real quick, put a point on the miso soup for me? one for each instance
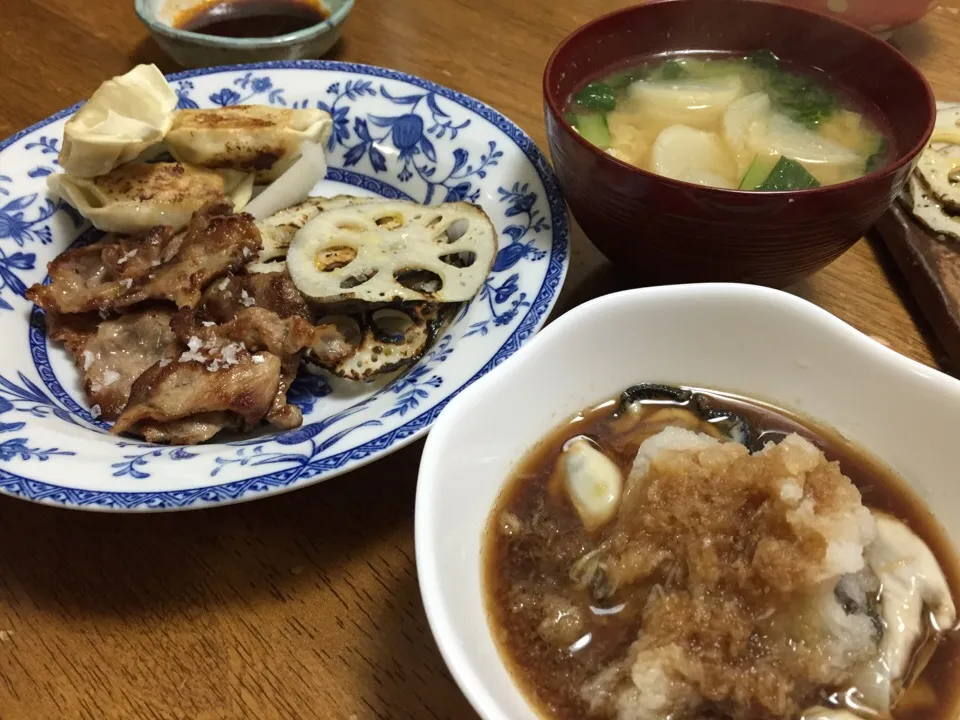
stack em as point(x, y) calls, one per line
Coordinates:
point(747, 123)
point(682, 554)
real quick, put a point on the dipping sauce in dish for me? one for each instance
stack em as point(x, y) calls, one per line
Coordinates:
point(736, 122)
point(683, 554)
point(251, 18)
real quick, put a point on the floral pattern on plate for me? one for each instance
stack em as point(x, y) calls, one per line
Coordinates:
point(395, 136)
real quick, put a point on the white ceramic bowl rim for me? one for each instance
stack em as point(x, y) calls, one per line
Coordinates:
point(438, 577)
point(145, 12)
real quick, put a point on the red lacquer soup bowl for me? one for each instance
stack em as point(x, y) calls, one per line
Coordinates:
point(662, 230)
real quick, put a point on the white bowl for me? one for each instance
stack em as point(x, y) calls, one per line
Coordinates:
point(759, 342)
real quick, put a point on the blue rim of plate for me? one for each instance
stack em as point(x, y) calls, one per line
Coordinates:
point(285, 480)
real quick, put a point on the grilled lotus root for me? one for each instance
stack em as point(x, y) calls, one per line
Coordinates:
point(260, 139)
point(947, 127)
point(931, 192)
point(929, 212)
point(939, 173)
point(383, 340)
point(393, 251)
point(124, 117)
point(277, 231)
point(136, 197)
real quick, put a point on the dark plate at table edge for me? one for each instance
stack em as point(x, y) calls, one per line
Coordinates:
point(931, 267)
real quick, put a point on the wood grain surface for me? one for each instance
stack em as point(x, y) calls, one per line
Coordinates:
point(304, 605)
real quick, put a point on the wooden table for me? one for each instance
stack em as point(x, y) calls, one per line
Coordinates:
point(305, 605)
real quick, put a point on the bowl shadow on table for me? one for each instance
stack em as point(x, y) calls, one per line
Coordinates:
point(330, 568)
point(915, 41)
point(592, 275)
point(149, 52)
point(901, 288)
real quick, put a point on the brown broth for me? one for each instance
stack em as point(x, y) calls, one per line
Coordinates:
point(251, 18)
point(552, 677)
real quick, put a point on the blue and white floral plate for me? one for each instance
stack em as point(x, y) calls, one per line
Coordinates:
point(395, 136)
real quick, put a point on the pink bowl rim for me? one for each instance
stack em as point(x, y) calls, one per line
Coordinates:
point(903, 158)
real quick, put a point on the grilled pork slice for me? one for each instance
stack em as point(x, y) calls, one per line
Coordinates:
point(111, 354)
point(233, 375)
point(120, 271)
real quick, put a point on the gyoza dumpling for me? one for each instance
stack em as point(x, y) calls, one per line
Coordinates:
point(138, 196)
point(253, 138)
point(125, 116)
